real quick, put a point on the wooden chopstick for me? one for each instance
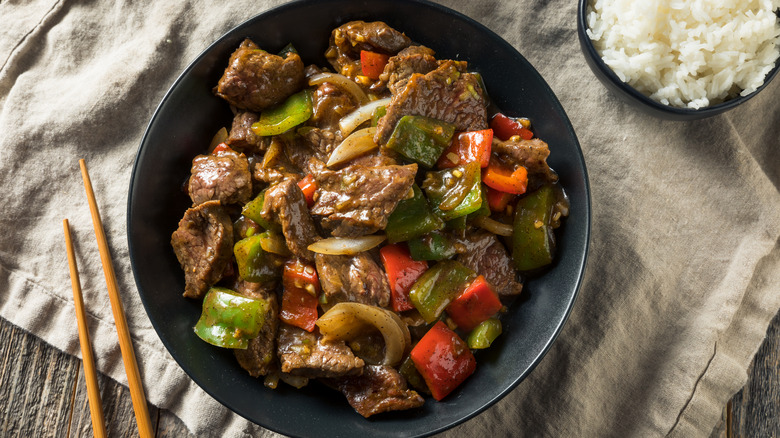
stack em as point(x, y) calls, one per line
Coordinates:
point(125, 343)
point(93, 391)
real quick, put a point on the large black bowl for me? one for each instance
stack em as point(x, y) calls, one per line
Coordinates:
point(182, 128)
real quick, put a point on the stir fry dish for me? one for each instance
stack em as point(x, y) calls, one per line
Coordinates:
point(364, 223)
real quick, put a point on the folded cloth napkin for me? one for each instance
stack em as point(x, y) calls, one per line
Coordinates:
point(684, 263)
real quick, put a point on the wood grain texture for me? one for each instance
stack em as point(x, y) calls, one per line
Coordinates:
point(43, 394)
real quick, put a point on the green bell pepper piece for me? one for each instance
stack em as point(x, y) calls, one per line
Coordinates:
point(289, 48)
point(438, 286)
point(533, 241)
point(254, 264)
point(484, 334)
point(432, 246)
point(253, 209)
point(411, 218)
point(421, 139)
point(230, 320)
point(454, 192)
point(378, 114)
point(292, 112)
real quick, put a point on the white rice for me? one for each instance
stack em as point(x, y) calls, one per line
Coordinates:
point(687, 53)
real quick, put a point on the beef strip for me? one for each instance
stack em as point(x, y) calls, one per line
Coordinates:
point(255, 79)
point(203, 243)
point(306, 354)
point(529, 153)
point(259, 358)
point(224, 177)
point(242, 138)
point(347, 40)
point(276, 165)
point(330, 104)
point(355, 278)
point(286, 204)
point(486, 255)
point(447, 93)
point(321, 141)
point(379, 389)
point(399, 68)
point(357, 200)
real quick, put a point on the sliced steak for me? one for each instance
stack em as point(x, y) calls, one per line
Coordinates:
point(242, 138)
point(357, 200)
point(203, 243)
point(379, 389)
point(447, 93)
point(355, 278)
point(486, 255)
point(529, 153)
point(259, 358)
point(347, 40)
point(286, 204)
point(255, 79)
point(399, 68)
point(306, 354)
point(224, 177)
point(330, 104)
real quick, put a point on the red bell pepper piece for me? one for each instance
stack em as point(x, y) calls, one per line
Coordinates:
point(506, 127)
point(467, 147)
point(502, 179)
point(299, 299)
point(299, 308)
point(443, 359)
point(402, 272)
point(372, 63)
point(476, 304)
point(222, 147)
point(498, 200)
point(299, 274)
point(308, 186)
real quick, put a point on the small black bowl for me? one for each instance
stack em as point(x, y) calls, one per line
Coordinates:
point(640, 101)
point(190, 114)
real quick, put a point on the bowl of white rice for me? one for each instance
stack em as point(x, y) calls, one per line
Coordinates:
point(682, 59)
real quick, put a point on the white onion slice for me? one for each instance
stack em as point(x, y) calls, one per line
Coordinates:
point(345, 321)
point(354, 119)
point(346, 245)
point(493, 226)
point(342, 81)
point(358, 143)
point(220, 137)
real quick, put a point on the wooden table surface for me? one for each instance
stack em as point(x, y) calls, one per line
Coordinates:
point(43, 394)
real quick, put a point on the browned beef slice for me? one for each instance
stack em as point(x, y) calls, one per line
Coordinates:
point(286, 204)
point(330, 104)
point(255, 79)
point(529, 153)
point(357, 200)
point(259, 358)
point(223, 177)
point(242, 138)
point(379, 389)
point(487, 256)
point(447, 93)
point(306, 354)
point(275, 165)
point(347, 40)
point(203, 243)
point(399, 68)
point(355, 278)
point(321, 141)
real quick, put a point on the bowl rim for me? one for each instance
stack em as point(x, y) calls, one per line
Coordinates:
point(587, 211)
point(710, 110)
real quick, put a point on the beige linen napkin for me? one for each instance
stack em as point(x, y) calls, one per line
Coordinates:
point(684, 265)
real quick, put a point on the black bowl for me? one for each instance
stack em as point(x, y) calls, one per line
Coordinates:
point(641, 101)
point(183, 126)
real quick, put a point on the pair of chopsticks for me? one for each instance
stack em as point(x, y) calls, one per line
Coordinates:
point(125, 343)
